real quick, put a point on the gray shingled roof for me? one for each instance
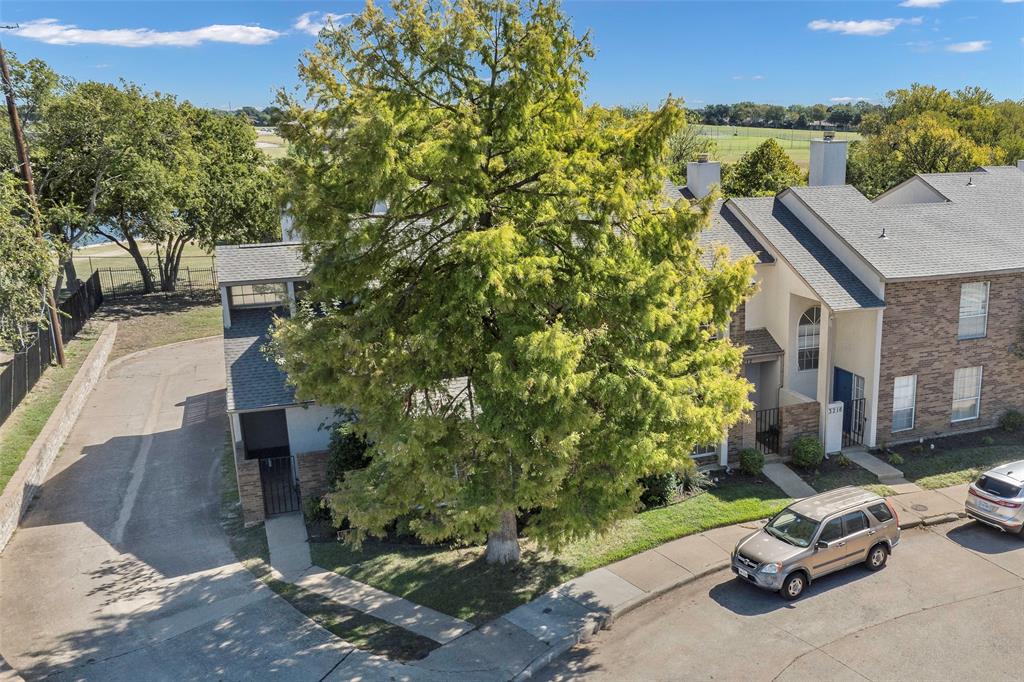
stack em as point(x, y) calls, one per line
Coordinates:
point(760, 343)
point(980, 228)
point(837, 286)
point(253, 380)
point(276, 262)
point(727, 230)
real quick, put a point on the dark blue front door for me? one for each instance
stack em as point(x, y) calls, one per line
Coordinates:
point(842, 389)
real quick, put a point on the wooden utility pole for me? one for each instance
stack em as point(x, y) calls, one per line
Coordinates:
point(25, 167)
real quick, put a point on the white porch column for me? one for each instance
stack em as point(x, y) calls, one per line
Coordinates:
point(871, 428)
point(291, 297)
point(826, 367)
point(225, 310)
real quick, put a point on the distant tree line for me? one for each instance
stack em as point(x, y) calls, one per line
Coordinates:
point(267, 116)
point(796, 116)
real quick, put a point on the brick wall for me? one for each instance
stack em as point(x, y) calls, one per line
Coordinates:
point(796, 421)
point(737, 325)
point(919, 336)
point(312, 474)
point(250, 490)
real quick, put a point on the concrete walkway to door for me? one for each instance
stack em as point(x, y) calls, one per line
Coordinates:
point(121, 571)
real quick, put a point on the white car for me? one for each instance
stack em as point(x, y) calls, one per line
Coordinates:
point(997, 498)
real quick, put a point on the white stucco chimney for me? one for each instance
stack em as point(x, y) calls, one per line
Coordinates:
point(702, 174)
point(1020, 164)
point(287, 235)
point(828, 161)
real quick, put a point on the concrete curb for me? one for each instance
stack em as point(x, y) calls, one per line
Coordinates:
point(605, 621)
point(17, 496)
point(932, 520)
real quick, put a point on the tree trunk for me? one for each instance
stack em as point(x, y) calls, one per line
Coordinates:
point(503, 544)
point(140, 263)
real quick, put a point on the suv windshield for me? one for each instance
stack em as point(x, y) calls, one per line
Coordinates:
point(793, 528)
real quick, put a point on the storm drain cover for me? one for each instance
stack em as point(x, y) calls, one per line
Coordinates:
point(919, 507)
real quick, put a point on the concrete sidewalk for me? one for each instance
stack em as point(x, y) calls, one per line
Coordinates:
point(524, 640)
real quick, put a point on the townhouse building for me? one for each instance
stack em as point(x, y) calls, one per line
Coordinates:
point(874, 322)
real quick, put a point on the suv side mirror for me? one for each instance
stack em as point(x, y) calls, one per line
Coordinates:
point(822, 544)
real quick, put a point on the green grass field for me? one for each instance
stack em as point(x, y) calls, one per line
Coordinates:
point(92, 258)
point(735, 141)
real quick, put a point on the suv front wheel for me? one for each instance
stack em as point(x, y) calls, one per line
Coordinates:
point(793, 586)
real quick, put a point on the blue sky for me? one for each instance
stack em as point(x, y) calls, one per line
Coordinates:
point(238, 53)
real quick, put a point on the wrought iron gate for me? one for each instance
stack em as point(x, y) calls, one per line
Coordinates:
point(767, 429)
point(280, 491)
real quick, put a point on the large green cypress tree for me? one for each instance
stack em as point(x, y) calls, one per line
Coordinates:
point(529, 326)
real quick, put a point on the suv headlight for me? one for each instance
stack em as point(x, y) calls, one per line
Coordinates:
point(771, 569)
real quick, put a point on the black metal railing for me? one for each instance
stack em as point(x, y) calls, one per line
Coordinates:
point(121, 282)
point(767, 429)
point(853, 430)
point(19, 375)
point(280, 491)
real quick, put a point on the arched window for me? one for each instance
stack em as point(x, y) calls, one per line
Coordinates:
point(807, 339)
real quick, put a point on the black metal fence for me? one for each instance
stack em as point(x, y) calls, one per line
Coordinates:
point(280, 491)
point(121, 282)
point(23, 371)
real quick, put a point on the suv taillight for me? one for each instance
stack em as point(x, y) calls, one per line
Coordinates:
point(892, 510)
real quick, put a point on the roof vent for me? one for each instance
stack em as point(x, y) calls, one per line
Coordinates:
point(829, 135)
point(883, 235)
point(970, 181)
point(703, 157)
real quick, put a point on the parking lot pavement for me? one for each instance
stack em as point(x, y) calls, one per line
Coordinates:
point(947, 606)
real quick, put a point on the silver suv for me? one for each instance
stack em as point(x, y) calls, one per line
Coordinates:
point(815, 536)
point(997, 498)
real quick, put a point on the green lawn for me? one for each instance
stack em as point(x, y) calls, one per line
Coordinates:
point(363, 631)
point(734, 141)
point(158, 319)
point(20, 430)
point(959, 459)
point(100, 256)
point(831, 474)
point(460, 583)
point(273, 146)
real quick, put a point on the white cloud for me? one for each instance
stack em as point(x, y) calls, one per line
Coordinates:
point(1011, 2)
point(924, 3)
point(969, 46)
point(55, 33)
point(864, 27)
point(314, 22)
point(757, 77)
point(849, 100)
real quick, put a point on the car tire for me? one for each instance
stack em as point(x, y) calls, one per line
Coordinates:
point(793, 586)
point(877, 557)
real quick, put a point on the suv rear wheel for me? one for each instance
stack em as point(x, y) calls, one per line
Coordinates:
point(877, 557)
point(793, 586)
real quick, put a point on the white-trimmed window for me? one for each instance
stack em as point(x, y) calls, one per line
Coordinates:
point(705, 450)
point(808, 338)
point(257, 295)
point(966, 393)
point(973, 310)
point(904, 399)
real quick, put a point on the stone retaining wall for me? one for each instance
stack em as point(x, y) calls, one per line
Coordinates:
point(23, 486)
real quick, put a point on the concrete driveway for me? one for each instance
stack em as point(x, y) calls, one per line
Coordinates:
point(947, 606)
point(121, 570)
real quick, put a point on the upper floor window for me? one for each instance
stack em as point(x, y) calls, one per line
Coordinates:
point(966, 393)
point(258, 295)
point(808, 339)
point(973, 310)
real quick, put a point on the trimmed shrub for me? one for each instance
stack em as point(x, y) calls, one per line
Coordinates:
point(317, 510)
point(751, 461)
point(692, 480)
point(843, 461)
point(347, 451)
point(657, 490)
point(895, 459)
point(807, 452)
point(1011, 421)
point(988, 440)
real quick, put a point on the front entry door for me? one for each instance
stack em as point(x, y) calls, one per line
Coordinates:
point(849, 388)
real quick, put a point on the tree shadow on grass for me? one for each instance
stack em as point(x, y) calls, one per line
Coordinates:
point(127, 307)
